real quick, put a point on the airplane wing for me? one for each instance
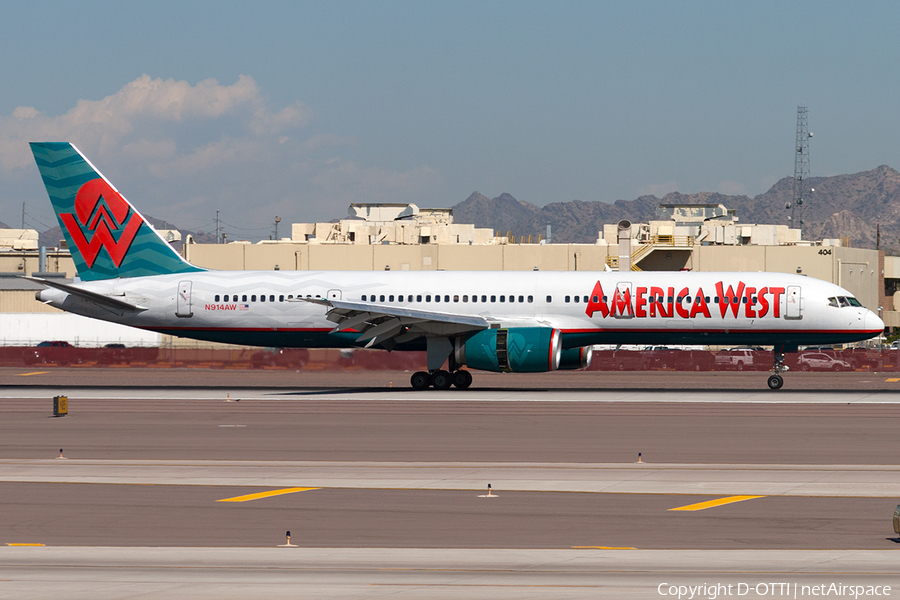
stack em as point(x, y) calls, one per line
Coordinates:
point(391, 325)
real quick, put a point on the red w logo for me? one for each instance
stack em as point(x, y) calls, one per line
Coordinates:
point(102, 219)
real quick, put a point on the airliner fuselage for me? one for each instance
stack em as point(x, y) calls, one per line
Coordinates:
point(496, 321)
point(273, 308)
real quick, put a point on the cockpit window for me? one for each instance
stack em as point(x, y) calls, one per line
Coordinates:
point(833, 302)
point(853, 301)
point(844, 302)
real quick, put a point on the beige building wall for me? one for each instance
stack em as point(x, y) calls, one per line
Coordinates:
point(339, 257)
point(26, 262)
point(729, 258)
point(854, 269)
point(470, 258)
point(216, 256)
point(23, 301)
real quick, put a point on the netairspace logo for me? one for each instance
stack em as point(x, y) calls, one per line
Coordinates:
point(775, 590)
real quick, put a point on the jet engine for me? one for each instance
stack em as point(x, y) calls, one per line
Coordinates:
point(576, 358)
point(515, 350)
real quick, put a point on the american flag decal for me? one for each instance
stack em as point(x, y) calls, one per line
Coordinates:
point(243, 307)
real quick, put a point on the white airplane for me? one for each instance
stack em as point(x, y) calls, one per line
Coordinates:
point(493, 321)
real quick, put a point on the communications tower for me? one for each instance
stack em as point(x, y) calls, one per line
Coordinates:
point(801, 190)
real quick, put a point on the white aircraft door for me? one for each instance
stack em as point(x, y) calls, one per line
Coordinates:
point(622, 305)
point(792, 303)
point(183, 300)
point(334, 294)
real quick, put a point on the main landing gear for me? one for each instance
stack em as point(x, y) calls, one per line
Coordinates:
point(776, 380)
point(441, 380)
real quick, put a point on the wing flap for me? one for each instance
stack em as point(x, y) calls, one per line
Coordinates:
point(389, 325)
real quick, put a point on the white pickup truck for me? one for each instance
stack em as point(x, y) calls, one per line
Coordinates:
point(739, 359)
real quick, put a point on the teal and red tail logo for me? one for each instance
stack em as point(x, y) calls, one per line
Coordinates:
point(101, 210)
point(107, 236)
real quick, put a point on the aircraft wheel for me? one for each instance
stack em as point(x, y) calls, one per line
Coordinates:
point(420, 380)
point(462, 379)
point(775, 382)
point(441, 380)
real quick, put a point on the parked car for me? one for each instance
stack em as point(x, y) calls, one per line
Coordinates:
point(860, 357)
point(115, 354)
point(738, 359)
point(630, 360)
point(820, 361)
point(280, 357)
point(57, 352)
point(678, 359)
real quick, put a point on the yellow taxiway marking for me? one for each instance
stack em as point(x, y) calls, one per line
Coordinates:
point(718, 502)
point(24, 544)
point(603, 548)
point(893, 380)
point(268, 494)
point(35, 373)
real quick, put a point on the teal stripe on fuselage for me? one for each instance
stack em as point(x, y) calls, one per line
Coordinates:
point(347, 339)
point(283, 339)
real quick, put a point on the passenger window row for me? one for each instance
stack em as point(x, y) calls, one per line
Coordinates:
point(447, 298)
point(261, 298)
point(670, 300)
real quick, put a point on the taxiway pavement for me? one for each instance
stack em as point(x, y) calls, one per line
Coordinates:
point(383, 484)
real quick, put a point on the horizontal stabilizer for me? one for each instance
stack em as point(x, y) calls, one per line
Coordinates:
point(87, 294)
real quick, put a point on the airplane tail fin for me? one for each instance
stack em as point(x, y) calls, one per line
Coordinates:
point(107, 236)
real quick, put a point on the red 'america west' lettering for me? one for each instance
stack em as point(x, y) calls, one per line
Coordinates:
point(738, 301)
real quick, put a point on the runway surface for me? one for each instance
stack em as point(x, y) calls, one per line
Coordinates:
point(360, 429)
point(182, 483)
point(209, 573)
point(398, 381)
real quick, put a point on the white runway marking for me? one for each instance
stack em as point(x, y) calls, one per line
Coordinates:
point(629, 478)
point(493, 395)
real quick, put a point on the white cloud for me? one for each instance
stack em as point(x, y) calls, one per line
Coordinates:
point(184, 151)
point(214, 154)
point(102, 127)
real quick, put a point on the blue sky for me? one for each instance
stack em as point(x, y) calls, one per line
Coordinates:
point(298, 109)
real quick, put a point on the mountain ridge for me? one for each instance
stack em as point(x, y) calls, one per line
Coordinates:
point(842, 205)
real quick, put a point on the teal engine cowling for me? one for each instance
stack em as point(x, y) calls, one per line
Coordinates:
point(515, 350)
point(576, 358)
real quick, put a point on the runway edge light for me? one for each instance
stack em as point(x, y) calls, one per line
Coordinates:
point(287, 544)
point(489, 494)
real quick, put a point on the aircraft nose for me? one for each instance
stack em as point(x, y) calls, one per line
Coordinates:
point(872, 322)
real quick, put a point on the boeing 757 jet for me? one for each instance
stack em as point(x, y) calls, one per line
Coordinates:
point(493, 321)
